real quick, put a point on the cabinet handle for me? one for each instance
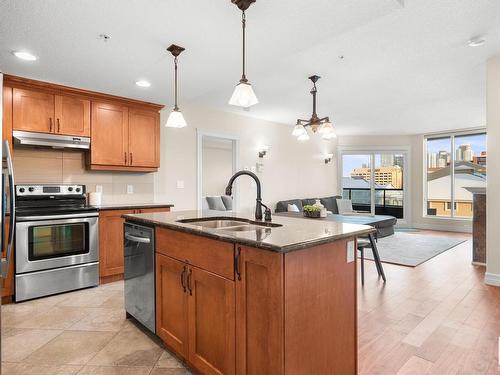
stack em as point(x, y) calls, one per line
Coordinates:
point(58, 126)
point(237, 262)
point(189, 280)
point(183, 278)
point(50, 124)
point(131, 160)
point(125, 158)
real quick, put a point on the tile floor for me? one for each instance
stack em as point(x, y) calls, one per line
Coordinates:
point(84, 333)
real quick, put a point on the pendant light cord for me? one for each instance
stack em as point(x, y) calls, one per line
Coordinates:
point(176, 108)
point(243, 23)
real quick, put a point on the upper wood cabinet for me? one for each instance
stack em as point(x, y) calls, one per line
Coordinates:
point(7, 115)
point(109, 142)
point(42, 112)
point(33, 111)
point(72, 116)
point(144, 133)
point(124, 138)
point(125, 133)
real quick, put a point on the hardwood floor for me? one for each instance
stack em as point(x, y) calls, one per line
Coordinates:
point(437, 318)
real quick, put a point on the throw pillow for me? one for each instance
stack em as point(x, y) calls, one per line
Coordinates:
point(293, 208)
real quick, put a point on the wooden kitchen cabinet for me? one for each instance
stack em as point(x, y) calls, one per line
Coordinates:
point(259, 312)
point(33, 111)
point(7, 115)
point(211, 322)
point(123, 138)
point(144, 133)
point(171, 306)
point(109, 143)
point(72, 116)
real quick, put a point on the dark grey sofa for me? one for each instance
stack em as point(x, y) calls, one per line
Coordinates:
point(330, 203)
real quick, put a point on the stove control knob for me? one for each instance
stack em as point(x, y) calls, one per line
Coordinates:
point(77, 190)
point(21, 190)
point(31, 189)
point(70, 189)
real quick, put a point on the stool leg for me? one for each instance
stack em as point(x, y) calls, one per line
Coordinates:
point(362, 266)
point(376, 257)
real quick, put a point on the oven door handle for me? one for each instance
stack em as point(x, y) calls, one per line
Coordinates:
point(4, 265)
point(57, 217)
point(133, 238)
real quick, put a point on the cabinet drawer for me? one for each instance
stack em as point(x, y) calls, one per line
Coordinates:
point(205, 253)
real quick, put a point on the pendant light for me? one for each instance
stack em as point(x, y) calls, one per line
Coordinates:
point(175, 119)
point(243, 95)
point(322, 126)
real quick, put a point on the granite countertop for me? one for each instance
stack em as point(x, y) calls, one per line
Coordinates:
point(293, 234)
point(131, 206)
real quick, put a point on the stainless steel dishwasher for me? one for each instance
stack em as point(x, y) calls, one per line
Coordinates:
point(139, 251)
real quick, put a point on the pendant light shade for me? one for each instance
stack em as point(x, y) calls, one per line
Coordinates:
point(175, 119)
point(299, 130)
point(303, 137)
point(325, 128)
point(330, 135)
point(243, 95)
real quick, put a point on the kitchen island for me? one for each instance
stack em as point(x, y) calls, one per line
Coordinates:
point(236, 296)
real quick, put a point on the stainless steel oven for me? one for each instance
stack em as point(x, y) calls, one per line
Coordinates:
point(57, 247)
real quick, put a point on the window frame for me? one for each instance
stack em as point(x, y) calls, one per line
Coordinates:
point(452, 136)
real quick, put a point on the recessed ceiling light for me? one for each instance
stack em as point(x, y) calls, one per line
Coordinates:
point(143, 83)
point(24, 55)
point(476, 42)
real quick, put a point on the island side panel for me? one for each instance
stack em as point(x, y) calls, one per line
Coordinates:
point(259, 312)
point(320, 311)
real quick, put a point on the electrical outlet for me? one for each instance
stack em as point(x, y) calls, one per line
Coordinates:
point(130, 189)
point(180, 184)
point(350, 251)
point(98, 188)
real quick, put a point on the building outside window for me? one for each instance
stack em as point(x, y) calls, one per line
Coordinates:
point(454, 162)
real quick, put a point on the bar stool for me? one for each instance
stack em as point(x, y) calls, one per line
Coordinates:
point(365, 243)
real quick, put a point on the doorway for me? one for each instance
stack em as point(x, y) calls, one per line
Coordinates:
point(218, 160)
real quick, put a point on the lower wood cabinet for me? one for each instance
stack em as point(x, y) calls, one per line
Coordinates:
point(195, 315)
point(111, 241)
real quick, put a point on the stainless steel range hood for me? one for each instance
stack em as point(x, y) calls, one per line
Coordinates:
point(50, 140)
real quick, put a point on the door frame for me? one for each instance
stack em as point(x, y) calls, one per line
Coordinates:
point(370, 151)
point(200, 133)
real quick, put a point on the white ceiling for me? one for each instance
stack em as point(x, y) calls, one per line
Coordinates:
point(405, 70)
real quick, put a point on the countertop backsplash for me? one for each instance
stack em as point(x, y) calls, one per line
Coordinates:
point(39, 165)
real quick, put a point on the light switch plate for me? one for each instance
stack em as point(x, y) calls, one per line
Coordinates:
point(180, 184)
point(130, 189)
point(350, 251)
point(98, 188)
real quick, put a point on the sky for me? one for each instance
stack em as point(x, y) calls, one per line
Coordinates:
point(477, 142)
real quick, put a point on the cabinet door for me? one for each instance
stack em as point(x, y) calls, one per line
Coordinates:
point(109, 134)
point(211, 310)
point(111, 242)
point(33, 111)
point(72, 116)
point(259, 313)
point(171, 304)
point(144, 138)
point(7, 115)
point(8, 282)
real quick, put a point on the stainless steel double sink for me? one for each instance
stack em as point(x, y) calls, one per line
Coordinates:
point(230, 224)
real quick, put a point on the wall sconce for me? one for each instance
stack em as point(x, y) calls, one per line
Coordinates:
point(328, 158)
point(263, 151)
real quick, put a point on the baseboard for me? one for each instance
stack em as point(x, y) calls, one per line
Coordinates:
point(492, 279)
point(443, 228)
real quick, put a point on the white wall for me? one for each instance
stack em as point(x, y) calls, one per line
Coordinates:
point(217, 167)
point(493, 198)
point(416, 181)
point(292, 169)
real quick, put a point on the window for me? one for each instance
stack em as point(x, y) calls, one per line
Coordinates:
point(454, 162)
point(374, 181)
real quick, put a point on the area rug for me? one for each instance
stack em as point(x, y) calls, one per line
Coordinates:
point(412, 249)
